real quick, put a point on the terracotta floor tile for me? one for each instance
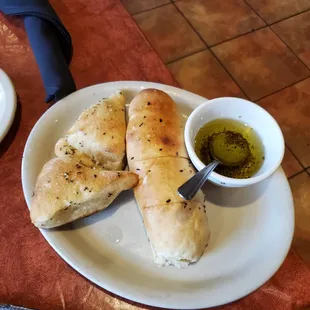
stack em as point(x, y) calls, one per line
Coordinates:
point(202, 74)
point(295, 32)
point(260, 63)
point(217, 21)
point(290, 164)
point(291, 108)
point(169, 33)
point(300, 185)
point(274, 10)
point(136, 6)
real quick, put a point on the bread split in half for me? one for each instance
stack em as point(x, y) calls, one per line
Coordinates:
point(66, 191)
point(83, 179)
point(97, 138)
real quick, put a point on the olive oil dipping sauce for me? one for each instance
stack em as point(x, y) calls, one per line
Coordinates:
point(234, 132)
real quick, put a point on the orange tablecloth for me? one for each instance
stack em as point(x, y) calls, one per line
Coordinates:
point(108, 46)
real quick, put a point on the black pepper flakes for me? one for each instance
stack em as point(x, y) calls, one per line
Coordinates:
point(160, 120)
point(181, 170)
point(57, 198)
point(148, 140)
point(149, 170)
point(160, 149)
point(104, 133)
point(132, 158)
point(112, 137)
point(138, 169)
point(95, 175)
point(79, 172)
point(85, 188)
point(140, 124)
point(78, 166)
point(190, 209)
point(148, 103)
point(177, 153)
point(144, 116)
point(110, 194)
point(32, 194)
point(168, 200)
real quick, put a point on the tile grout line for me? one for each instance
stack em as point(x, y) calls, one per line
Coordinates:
point(252, 9)
point(295, 156)
point(193, 28)
point(269, 26)
point(276, 91)
point(189, 23)
point(208, 47)
point(278, 21)
point(154, 8)
point(250, 6)
point(285, 18)
point(290, 50)
point(182, 57)
point(238, 36)
point(265, 26)
point(259, 28)
point(296, 174)
point(244, 93)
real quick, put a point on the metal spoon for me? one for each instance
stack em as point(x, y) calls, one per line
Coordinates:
point(236, 152)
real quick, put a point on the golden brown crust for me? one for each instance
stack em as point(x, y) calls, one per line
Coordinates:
point(155, 128)
point(97, 138)
point(66, 190)
point(178, 230)
point(162, 175)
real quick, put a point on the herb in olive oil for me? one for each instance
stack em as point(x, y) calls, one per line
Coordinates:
point(254, 147)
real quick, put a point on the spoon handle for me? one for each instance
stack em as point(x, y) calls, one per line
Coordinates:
point(190, 188)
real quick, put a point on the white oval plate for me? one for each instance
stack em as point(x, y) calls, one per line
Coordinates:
point(7, 104)
point(251, 228)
